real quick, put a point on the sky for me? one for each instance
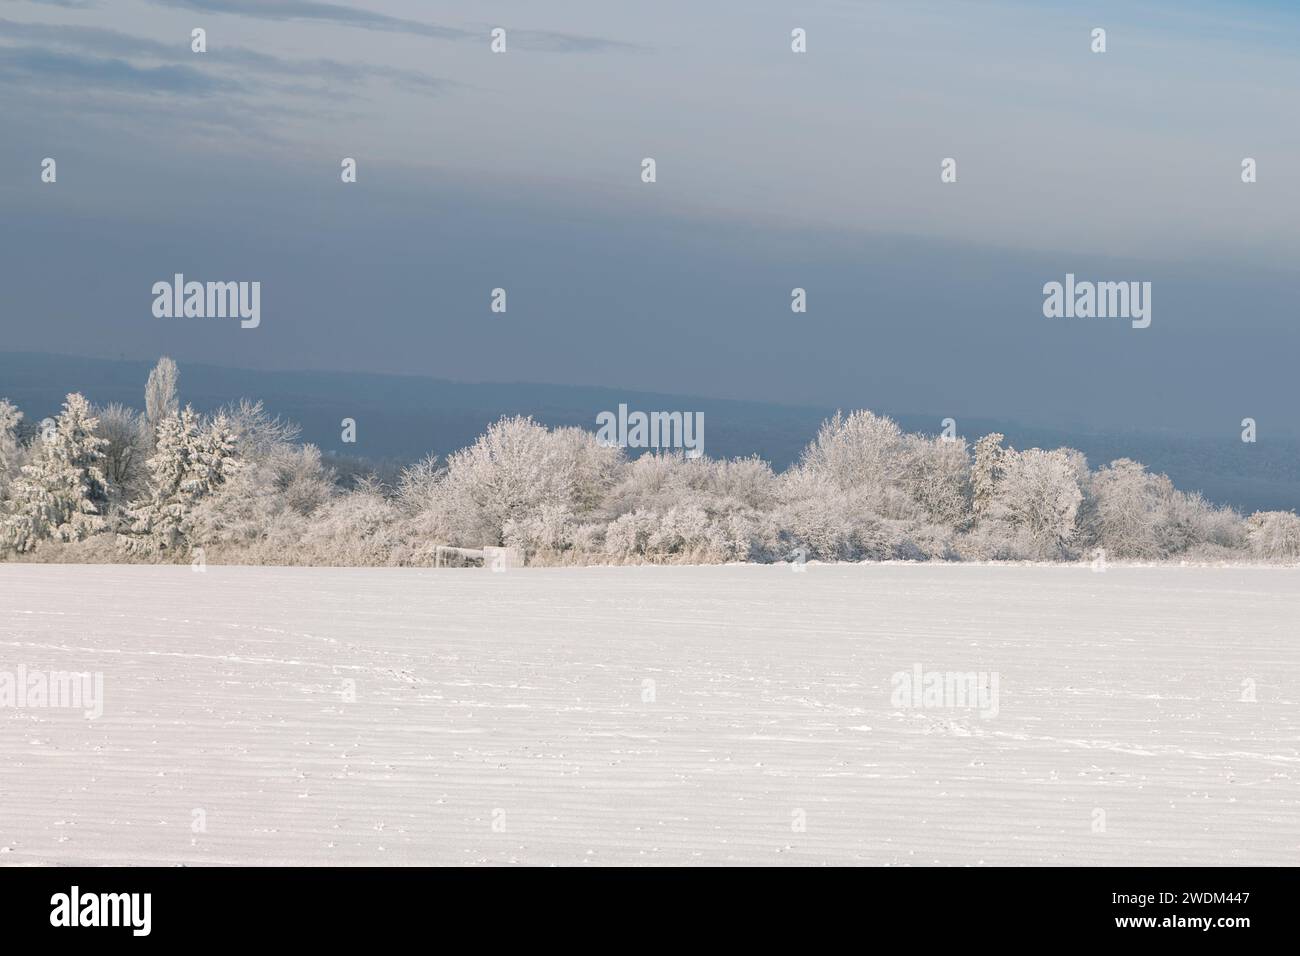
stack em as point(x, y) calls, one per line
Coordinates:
point(775, 170)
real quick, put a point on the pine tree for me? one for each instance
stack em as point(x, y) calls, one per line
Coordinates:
point(62, 492)
point(10, 452)
point(189, 463)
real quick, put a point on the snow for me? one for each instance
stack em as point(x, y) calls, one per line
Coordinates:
point(505, 718)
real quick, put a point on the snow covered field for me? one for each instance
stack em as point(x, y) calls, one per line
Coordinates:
point(326, 716)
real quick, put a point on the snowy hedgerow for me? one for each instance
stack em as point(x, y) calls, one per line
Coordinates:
point(1274, 534)
point(61, 493)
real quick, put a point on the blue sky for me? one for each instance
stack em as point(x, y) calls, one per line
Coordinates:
point(775, 170)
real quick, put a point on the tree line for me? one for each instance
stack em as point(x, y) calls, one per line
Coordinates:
point(113, 484)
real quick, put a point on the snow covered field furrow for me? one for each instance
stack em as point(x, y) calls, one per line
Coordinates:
point(463, 717)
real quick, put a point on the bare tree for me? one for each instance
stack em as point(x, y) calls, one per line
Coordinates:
point(127, 447)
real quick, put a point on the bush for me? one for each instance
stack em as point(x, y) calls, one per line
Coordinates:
point(1274, 534)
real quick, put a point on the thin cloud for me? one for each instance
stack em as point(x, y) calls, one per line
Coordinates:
point(51, 68)
point(100, 40)
point(542, 40)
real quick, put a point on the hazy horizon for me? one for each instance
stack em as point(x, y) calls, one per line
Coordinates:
point(817, 170)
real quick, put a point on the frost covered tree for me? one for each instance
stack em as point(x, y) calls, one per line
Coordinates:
point(514, 469)
point(861, 452)
point(61, 493)
point(161, 399)
point(1038, 498)
point(126, 448)
point(261, 435)
point(1128, 509)
point(10, 449)
point(190, 462)
point(937, 478)
point(985, 473)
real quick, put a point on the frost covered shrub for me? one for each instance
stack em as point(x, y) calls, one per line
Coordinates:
point(359, 528)
point(914, 541)
point(588, 539)
point(548, 531)
point(628, 535)
point(1274, 534)
point(989, 542)
point(1139, 515)
point(97, 549)
point(834, 526)
point(679, 531)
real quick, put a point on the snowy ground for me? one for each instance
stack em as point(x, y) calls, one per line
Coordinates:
point(506, 718)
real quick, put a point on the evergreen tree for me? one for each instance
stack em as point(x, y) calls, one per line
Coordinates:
point(189, 462)
point(10, 451)
point(61, 493)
